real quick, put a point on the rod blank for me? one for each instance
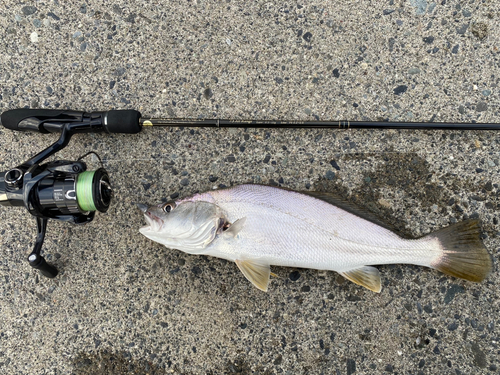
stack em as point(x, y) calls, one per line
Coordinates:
point(220, 123)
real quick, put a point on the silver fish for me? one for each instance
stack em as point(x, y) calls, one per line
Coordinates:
point(258, 226)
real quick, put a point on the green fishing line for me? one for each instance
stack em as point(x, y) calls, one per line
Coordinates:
point(84, 189)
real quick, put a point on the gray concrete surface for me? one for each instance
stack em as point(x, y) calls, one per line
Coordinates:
point(123, 304)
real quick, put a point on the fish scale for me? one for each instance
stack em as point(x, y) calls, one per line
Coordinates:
point(257, 226)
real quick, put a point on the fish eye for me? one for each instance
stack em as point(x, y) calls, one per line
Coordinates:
point(167, 207)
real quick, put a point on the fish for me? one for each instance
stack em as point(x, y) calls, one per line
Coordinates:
point(258, 226)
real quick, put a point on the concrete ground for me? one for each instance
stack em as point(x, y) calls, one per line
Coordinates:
point(125, 305)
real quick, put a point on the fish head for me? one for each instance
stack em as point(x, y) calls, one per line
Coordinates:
point(188, 226)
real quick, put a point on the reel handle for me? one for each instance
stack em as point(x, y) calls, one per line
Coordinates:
point(53, 121)
point(35, 259)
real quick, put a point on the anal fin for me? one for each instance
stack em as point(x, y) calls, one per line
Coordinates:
point(257, 273)
point(366, 276)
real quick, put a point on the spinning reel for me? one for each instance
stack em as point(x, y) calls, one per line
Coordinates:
point(61, 190)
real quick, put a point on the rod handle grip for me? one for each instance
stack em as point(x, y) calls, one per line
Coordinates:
point(53, 121)
point(122, 121)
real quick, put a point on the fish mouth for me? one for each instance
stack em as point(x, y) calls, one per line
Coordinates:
point(142, 207)
point(153, 221)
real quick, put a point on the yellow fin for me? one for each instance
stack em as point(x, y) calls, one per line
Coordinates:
point(366, 276)
point(257, 273)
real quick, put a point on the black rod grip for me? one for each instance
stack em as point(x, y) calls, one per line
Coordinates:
point(122, 121)
point(52, 121)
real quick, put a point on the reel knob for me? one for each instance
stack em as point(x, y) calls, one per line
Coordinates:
point(38, 262)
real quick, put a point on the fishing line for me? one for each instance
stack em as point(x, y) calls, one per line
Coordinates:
point(84, 193)
point(87, 187)
point(91, 153)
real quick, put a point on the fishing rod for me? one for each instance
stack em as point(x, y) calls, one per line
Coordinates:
point(131, 121)
point(65, 190)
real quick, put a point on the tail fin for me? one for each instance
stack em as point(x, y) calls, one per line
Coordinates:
point(464, 254)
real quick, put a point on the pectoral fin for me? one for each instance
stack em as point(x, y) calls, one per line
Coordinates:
point(235, 227)
point(366, 276)
point(257, 273)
